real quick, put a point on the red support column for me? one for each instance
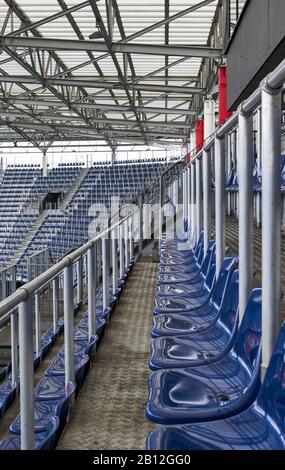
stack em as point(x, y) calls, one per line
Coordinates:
point(224, 114)
point(199, 134)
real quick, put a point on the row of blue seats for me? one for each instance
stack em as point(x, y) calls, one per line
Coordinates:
point(206, 382)
point(232, 184)
point(52, 399)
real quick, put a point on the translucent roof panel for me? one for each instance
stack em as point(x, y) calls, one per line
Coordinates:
point(102, 62)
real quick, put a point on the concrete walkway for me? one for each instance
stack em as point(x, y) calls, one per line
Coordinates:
point(109, 413)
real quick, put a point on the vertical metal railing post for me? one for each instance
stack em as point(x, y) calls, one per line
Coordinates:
point(114, 236)
point(105, 273)
point(14, 333)
point(198, 198)
point(206, 199)
point(55, 303)
point(131, 224)
point(184, 199)
point(245, 166)
point(220, 202)
point(91, 276)
point(26, 375)
point(79, 275)
point(4, 284)
point(193, 201)
point(188, 172)
point(160, 215)
point(259, 158)
point(38, 323)
point(68, 324)
point(121, 247)
point(271, 207)
point(126, 244)
point(229, 167)
point(141, 220)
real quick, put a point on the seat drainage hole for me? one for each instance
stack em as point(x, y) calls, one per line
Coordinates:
point(223, 397)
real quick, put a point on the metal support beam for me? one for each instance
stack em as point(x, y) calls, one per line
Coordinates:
point(53, 44)
point(102, 107)
point(102, 84)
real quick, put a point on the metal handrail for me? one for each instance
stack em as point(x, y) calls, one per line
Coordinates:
point(23, 292)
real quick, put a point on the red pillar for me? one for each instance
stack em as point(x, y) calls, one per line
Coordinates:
point(224, 114)
point(199, 134)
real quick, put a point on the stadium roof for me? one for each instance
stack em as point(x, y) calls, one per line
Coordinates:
point(117, 70)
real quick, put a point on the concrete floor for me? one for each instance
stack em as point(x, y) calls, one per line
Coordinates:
point(110, 411)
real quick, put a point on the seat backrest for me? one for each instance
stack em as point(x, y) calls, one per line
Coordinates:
point(200, 240)
point(271, 397)
point(248, 343)
point(208, 258)
point(282, 169)
point(228, 266)
point(200, 254)
point(230, 178)
point(198, 248)
point(229, 308)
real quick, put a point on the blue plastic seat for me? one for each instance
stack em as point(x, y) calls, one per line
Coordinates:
point(201, 293)
point(82, 347)
point(181, 284)
point(212, 391)
point(7, 395)
point(185, 267)
point(44, 440)
point(50, 388)
point(196, 348)
point(47, 408)
point(81, 366)
point(260, 427)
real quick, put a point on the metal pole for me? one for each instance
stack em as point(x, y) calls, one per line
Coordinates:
point(91, 276)
point(79, 273)
point(193, 200)
point(105, 273)
point(4, 285)
point(198, 198)
point(68, 324)
point(55, 303)
point(26, 375)
point(245, 165)
point(160, 215)
point(188, 198)
point(206, 199)
point(121, 251)
point(14, 347)
point(131, 237)
point(271, 206)
point(126, 244)
point(140, 202)
point(259, 152)
point(38, 322)
point(114, 260)
point(220, 202)
point(229, 161)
